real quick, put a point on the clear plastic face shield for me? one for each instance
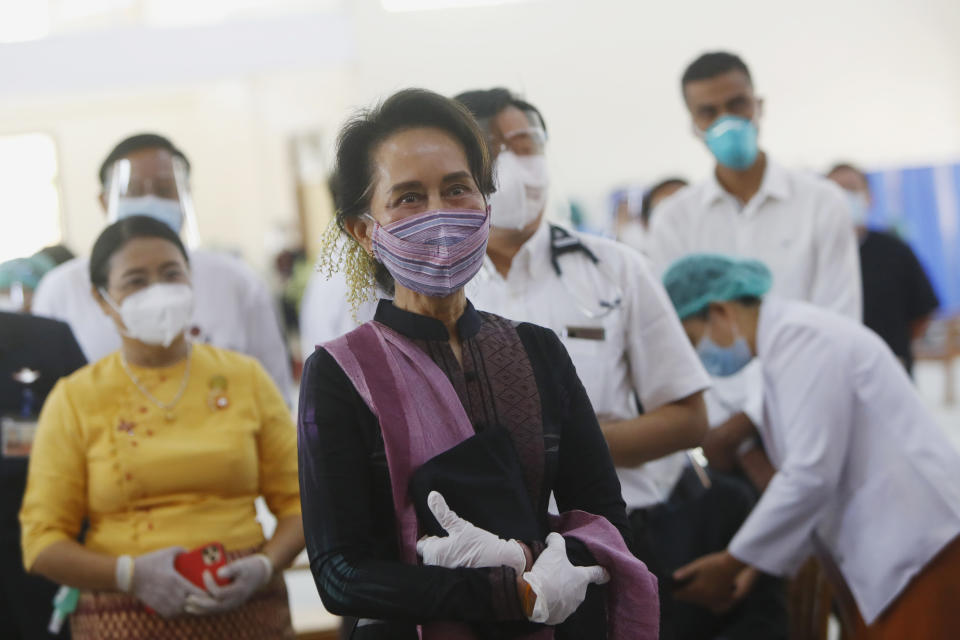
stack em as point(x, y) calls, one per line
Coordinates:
point(517, 140)
point(158, 187)
point(526, 137)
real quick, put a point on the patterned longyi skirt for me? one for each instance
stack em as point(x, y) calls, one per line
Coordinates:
point(118, 616)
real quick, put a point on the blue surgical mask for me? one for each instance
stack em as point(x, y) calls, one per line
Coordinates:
point(163, 209)
point(724, 361)
point(733, 142)
point(859, 207)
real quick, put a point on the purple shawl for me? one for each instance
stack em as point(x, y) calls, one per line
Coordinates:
point(421, 416)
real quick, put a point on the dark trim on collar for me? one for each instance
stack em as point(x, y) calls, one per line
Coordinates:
point(418, 327)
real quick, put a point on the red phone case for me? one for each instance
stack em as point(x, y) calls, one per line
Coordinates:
point(210, 557)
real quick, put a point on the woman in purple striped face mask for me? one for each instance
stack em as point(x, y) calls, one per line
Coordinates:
point(432, 437)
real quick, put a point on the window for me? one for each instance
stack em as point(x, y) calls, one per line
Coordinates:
point(29, 195)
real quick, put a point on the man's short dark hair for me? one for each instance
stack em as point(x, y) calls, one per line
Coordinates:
point(646, 205)
point(847, 166)
point(711, 65)
point(487, 103)
point(136, 143)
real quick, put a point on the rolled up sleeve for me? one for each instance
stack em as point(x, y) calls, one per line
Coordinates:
point(813, 412)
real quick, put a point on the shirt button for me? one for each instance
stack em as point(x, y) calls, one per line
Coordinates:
point(128, 476)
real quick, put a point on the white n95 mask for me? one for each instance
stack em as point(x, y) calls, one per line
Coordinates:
point(155, 315)
point(521, 194)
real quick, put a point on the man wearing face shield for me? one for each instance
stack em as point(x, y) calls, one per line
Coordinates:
point(794, 222)
point(147, 175)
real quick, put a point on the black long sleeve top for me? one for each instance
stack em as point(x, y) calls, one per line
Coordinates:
point(518, 376)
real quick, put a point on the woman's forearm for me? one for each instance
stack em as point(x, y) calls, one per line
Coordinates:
point(70, 563)
point(287, 542)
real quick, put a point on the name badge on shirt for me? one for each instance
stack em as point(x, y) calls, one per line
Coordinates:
point(16, 437)
point(586, 333)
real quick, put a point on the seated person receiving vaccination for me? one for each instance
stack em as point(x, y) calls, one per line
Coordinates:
point(431, 438)
point(865, 477)
point(162, 447)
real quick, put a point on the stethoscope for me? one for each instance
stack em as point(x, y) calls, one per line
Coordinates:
point(563, 242)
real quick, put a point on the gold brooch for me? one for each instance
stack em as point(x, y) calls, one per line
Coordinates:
point(217, 398)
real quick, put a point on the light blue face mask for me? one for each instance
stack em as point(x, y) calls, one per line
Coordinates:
point(859, 207)
point(733, 142)
point(723, 361)
point(162, 209)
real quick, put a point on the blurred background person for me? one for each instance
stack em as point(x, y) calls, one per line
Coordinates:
point(632, 215)
point(865, 477)
point(146, 174)
point(432, 375)
point(34, 354)
point(19, 279)
point(898, 300)
point(162, 446)
point(656, 194)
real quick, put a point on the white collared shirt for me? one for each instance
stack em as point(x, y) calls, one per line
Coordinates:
point(638, 350)
point(797, 224)
point(861, 463)
point(233, 310)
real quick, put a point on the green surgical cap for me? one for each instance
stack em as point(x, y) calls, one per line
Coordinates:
point(26, 271)
point(693, 282)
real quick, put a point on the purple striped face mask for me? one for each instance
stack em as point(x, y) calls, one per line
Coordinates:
point(435, 252)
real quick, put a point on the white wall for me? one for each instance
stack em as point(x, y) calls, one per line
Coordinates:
point(875, 82)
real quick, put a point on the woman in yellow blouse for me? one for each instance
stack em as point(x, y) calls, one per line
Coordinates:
point(163, 447)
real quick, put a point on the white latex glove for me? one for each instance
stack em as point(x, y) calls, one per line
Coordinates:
point(560, 586)
point(157, 583)
point(466, 545)
point(248, 574)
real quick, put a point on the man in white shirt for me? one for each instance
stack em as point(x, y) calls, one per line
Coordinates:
point(793, 221)
point(146, 174)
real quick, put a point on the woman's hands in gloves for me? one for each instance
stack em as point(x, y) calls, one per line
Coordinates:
point(246, 574)
point(467, 545)
point(559, 586)
point(157, 583)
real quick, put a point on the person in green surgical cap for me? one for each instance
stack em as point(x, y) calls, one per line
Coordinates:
point(865, 477)
point(19, 279)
